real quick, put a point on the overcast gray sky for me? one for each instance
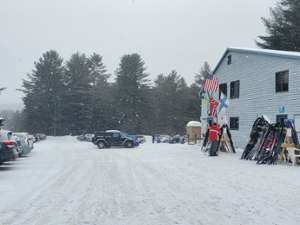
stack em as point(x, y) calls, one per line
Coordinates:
point(169, 34)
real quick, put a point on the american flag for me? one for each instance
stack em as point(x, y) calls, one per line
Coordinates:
point(211, 84)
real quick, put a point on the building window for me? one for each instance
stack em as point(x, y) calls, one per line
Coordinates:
point(229, 60)
point(280, 118)
point(234, 123)
point(235, 89)
point(282, 81)
point(222, 89)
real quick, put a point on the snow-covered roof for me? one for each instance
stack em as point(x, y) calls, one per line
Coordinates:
point(194, 124)
point(276, 53)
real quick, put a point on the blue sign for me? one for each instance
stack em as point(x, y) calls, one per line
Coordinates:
point(281, 109)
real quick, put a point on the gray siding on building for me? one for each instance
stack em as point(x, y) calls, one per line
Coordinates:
point(256, 73)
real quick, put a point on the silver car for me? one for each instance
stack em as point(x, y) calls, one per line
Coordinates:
point(24, 143)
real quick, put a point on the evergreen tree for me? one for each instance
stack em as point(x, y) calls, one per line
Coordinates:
point(131, 94)
point(200, 77)
point(205, 71)
point(78, 84)
point(97, 70)
point(194, 103)
point(43, 89)
point(101, 95)
point(171, 103)
point(14, 120)
point(283, 28)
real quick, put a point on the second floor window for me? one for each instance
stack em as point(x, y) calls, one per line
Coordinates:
point(235, 89)
point(229, 59)
point(222, 89)
point(282, 81)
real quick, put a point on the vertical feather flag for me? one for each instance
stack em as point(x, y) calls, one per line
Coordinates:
point(222, 115)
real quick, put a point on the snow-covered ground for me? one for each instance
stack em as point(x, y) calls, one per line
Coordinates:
point(66, 182)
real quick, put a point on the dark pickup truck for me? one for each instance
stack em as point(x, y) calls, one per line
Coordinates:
point(107, 139)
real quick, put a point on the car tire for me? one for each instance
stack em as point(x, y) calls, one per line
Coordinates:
point(129, 144)
point(101, 145)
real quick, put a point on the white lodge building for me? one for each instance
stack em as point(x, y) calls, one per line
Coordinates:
point(258, 82)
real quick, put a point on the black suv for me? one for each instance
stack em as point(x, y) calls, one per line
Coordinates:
point(107, 139)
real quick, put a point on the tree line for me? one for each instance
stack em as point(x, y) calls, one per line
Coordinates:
point(78, 96)
point(75, 96)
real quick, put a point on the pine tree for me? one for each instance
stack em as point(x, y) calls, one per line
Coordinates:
point(43, 89)
point(200, 77)
point(101, 95)
point(97, 70)
point(205, 71)
point(131, 94)
point(14, 120)
point(78, 84)
point(283, 28)
point(194, 103)
point(171, 103)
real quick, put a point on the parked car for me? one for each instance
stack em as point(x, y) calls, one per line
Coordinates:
point(134, 138)
point(81, 138)
point(109, 138)
point(85, 137)
point(177, 139)
point(89, 137)
point(141, 139)
point(164, 138)
point(8, 147)
point(24, 143)
point(40, 136)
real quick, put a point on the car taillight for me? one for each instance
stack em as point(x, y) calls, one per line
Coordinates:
point(9, 144)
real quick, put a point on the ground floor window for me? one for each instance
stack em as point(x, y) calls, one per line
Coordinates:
point(234, 123)
point(280, 118)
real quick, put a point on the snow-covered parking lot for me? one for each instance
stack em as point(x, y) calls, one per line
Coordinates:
point(66, 182)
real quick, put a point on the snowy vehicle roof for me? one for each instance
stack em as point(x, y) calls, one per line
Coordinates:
point(194, 124)
point(113, 131)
